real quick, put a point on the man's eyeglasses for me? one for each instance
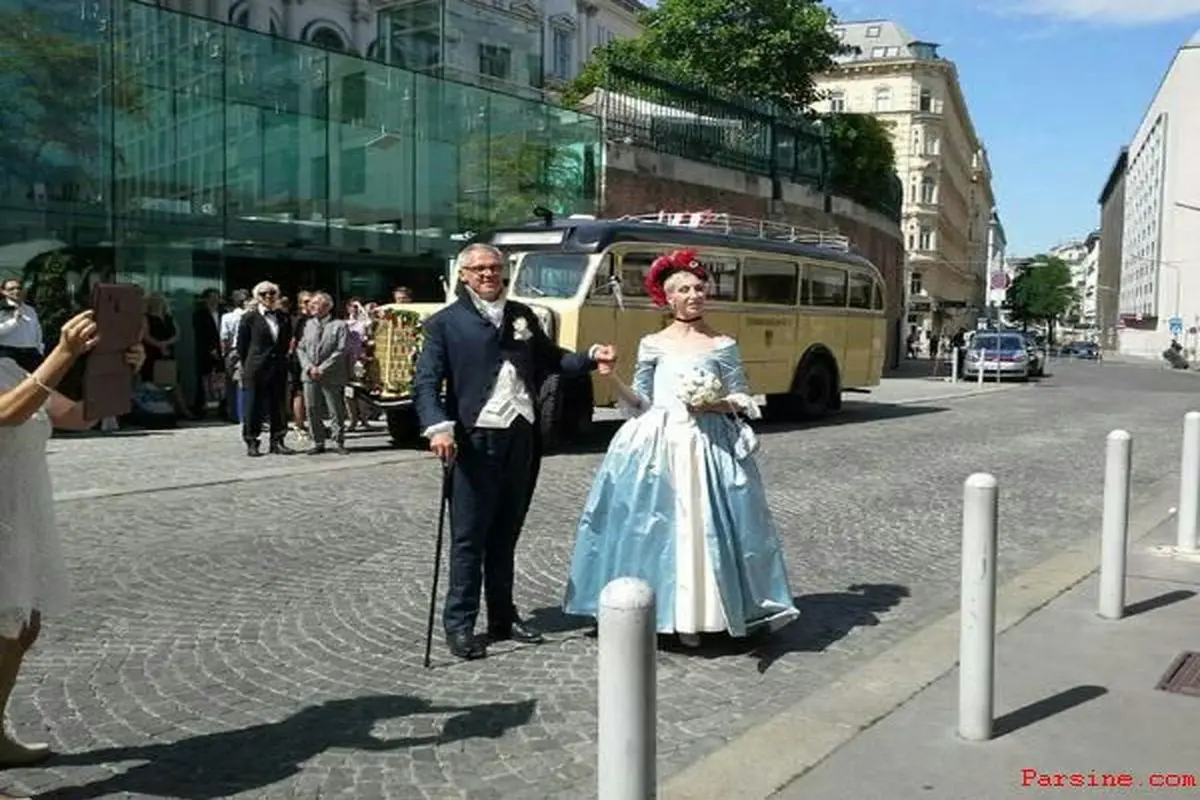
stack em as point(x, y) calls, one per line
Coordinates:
point(482, 268)
point(268, 293)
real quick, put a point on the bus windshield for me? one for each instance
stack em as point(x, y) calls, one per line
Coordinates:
point(549, 274)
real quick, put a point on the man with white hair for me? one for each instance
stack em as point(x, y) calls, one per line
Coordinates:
point(263, 338)
point(491, 354)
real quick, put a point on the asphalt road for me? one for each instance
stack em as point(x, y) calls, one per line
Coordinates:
point(261, 636)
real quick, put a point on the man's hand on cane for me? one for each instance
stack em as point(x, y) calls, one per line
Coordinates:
point(442, 446)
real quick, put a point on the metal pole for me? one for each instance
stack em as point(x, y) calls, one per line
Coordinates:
point(977, 618)
point(1189, 483)
point(982, 367)
point(626, 768)
point(1114, 536)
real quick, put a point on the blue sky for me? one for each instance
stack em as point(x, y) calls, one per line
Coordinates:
point(1054, 87)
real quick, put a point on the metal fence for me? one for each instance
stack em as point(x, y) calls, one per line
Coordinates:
point(662, 113)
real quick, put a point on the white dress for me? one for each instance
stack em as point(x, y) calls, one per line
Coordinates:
point(32, 572)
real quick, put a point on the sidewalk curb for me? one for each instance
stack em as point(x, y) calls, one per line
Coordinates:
point(785, 747)
point(946, 398)
point(398, 457)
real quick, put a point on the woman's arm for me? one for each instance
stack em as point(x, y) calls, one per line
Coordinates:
point(19, 403)
point(68, 415)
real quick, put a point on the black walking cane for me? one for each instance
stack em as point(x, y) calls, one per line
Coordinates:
point(443, 510)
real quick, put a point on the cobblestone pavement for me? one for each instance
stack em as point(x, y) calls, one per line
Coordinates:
point(263, 638)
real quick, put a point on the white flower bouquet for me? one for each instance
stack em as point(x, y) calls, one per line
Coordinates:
point(700, 388)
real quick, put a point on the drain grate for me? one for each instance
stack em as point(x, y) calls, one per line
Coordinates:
point(1183, 676)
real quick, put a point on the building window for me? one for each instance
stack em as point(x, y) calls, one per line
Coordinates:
point(883, 99)
point(925, 239)
point(878, 52)
point(495, 61)
point(928, 190)
point(561, 47)
point(873, 31)
point(925, 102)
point(933, 144)
point(915, 286)
point(837, 102)
point(353, 172)
point(329, 39)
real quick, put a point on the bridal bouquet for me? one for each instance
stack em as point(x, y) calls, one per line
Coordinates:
point(700, 388)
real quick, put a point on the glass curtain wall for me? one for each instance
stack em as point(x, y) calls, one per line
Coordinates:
point(149, 146)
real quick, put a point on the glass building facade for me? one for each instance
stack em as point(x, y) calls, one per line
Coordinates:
point(143, 145)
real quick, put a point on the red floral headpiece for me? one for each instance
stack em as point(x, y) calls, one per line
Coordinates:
point(666, 266)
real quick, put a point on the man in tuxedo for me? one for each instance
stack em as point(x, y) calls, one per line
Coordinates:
point(491, 353)
point(206, 337)
point(263, 338)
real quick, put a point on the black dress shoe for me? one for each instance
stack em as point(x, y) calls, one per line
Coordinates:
point(341, 450)
point(466, 646)
point(516, 632)
point(281, 449)
point(318, 450)
point(253, 449)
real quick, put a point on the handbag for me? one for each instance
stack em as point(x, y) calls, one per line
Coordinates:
point(164, 373)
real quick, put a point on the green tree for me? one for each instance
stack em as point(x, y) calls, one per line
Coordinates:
point(765, 50)
point(1041, 292)
point(55, 80)
point(520, 172)
point(862, 159)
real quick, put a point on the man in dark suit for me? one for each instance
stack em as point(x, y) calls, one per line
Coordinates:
point(206, 336)
point(263, 338)
point(491, 353)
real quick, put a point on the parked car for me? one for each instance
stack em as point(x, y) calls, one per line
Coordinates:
point(998, 355)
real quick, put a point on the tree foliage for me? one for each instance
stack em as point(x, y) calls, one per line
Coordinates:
point(862, 158)
point(54, 83)
point(1041, 292)
point(519, 172)
point(765, 50)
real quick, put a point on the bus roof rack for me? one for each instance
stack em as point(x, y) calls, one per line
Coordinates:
point(731, 225)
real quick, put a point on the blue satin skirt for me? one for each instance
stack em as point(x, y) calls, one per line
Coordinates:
point(673, 503)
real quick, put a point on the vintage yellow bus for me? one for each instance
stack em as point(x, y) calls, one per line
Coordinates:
point(808, 314)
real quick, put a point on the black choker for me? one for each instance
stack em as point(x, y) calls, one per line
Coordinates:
point(693, 319)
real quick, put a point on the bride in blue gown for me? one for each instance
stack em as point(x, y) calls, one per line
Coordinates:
point(678, 500)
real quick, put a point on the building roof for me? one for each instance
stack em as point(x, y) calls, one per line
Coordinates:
point(1115, 174)
point(881, 38)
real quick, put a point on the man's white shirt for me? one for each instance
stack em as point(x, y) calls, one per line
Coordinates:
point(20, 328)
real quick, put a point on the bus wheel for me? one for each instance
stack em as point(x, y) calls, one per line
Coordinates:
point(816, 390)
point(402, 426)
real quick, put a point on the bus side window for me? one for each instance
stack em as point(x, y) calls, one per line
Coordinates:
point(828, 286)
point(634, 268)
point(602, 283)
point(769, 281)
point(876, 296)
point(861, 288)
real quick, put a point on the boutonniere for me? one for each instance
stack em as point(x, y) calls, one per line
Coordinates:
point(520, 329)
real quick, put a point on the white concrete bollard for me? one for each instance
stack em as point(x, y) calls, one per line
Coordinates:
point(954, 364)
point(1189, 484)
point(982, 363)
point(977, 618)
point(1114, 536)
point(627, 746)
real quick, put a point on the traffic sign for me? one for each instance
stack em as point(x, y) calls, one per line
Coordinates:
point(1176, 325)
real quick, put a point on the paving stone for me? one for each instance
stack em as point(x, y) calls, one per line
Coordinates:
point(263, 638)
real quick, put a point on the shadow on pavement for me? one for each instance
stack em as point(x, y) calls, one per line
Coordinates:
point(244, 760)
point(1046, 708)
point(1161, 601)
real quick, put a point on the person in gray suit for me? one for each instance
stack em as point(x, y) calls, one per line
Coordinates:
point(324, 373)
